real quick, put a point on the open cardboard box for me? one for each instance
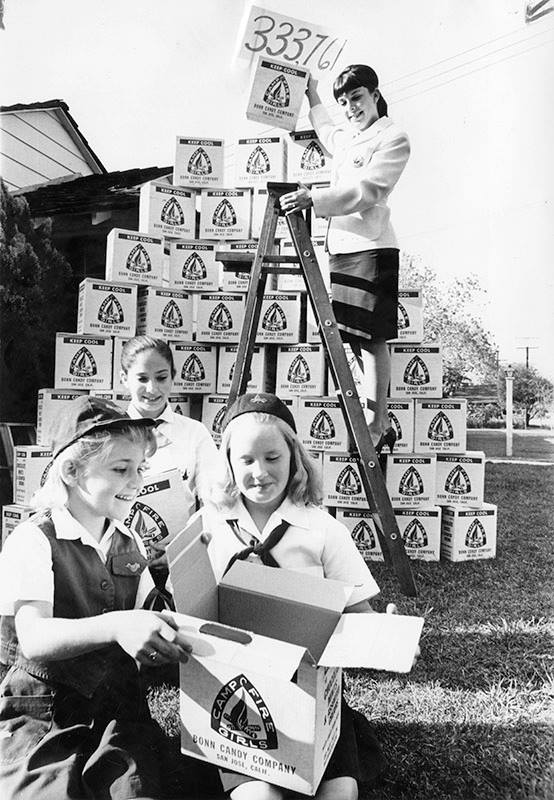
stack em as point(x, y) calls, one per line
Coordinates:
point(261, 694)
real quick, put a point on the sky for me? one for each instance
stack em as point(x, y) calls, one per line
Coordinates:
point(471, 83)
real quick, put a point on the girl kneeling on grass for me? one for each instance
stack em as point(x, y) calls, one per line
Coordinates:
point(74, 721)
point(266, 507)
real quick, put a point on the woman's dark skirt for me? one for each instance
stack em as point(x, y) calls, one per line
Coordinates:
point(364, 290)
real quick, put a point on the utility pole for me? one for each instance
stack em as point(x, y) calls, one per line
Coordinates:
point(527, 345)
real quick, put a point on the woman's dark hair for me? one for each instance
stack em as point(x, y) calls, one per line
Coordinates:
point(138, 344)
point(357, 75)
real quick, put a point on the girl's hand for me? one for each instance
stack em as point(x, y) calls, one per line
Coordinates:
point(312, 93)
point(150, 638)
point(297, 200)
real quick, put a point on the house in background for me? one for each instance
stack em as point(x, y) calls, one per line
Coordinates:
point(41, 142)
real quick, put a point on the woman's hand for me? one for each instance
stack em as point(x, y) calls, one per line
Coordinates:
point(298, 200)
point(151, 638)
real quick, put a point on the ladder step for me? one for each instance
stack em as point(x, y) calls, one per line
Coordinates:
point(242, 262)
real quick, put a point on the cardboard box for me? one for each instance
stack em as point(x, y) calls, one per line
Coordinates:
point(319, 225)
point(107, 308)
point(159, 513)
point(166, 210)
point(421, 530)
point(440, 426)
point(133, 257)
point(321, 424)
point(236, 281)
point(121, 399)
point(401, 416)
point(263, 696)
point(117, 384)
point(192, 266)
point(279, 319)
point(416, 371)
point(277, 94)
point(195, 367)
point(51, 406)
point(296, 282)
point(362, 529)
point(342, 482)
point(214, 407)
point(461, 479)
point(410, 480)
point(219, 317)
point(164, 313)
point(198, 162)
point(180, 404)
point(259, 206)
point(12, 515)
point(410, 316)
point(225, 214)
point(226, 368)
point(308, 161)
point(300, 370)
point(468, 534)
point(30, 469)
point(260, 160)
point(83, 361)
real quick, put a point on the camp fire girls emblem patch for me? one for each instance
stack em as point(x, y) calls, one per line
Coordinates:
point(110, 311)
point(199, 163)
point(258, 162)
point(138, 260)
point(83, 364)
point(147, 524)
point(312, 157)
point(416, 372)
point(172, 213)
point(277, 93)
point(239, 713)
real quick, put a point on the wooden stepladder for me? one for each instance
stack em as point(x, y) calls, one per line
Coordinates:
point(264, 262)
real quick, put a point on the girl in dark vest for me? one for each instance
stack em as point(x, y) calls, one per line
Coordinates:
point(74, 721)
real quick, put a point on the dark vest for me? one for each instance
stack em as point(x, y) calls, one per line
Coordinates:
point(83, 587)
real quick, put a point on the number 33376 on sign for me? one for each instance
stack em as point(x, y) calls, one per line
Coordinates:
point(292, 41)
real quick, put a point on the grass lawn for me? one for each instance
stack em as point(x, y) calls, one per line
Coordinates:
point(474, 719)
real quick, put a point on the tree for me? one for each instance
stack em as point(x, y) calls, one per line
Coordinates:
point(36, 300)
point(449, 317)
point(533, 394)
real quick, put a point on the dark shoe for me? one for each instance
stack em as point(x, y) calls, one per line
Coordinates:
point(388, 439)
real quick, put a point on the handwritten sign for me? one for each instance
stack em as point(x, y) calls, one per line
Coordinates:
point(292, 41)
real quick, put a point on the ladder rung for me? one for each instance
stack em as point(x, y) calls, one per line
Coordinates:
point(248, 258)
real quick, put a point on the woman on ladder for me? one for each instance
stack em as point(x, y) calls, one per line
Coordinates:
point(369, 155)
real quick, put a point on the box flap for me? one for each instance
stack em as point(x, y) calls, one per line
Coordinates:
point(192, 578)
point(283, 604)
point(374, 641)
point(261, 654)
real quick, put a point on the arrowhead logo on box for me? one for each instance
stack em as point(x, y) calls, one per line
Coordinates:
point(177, 409)
point(403, 318)
point(45, 473)
point(240, 714)
point(348, 482)
point(232, 372)
point(476, 536)
point(274, 318)
point(172, 213)
point(171, 316)
point(322, 426)
point(224, 215)
point(277, 93)
point(440, 429)
point(258, 162)
point(395, 423)
point(147, 524)
point(299, 371)
point(199, 163)
point(312, 157)
point(193, 369)
point(83, 364)
point(220, 318)
point(194, 268)
point(362, 534)
point(415, 534)
point(218, 420)
point(458, 481)
point(411, 483)
point(138, 260)
point(111, 311)
point(416, 372)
